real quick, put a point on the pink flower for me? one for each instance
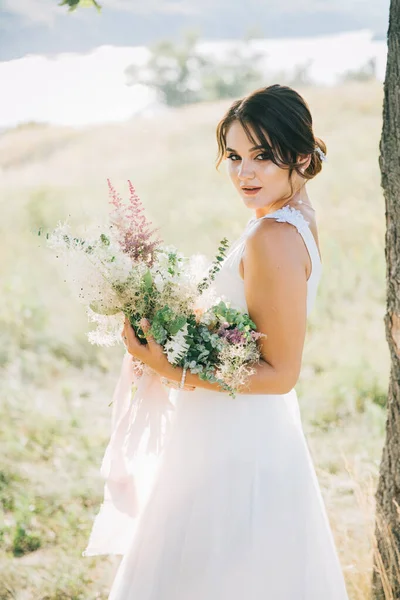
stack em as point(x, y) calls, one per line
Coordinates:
point(135, 233)
point(198, 314)
point(256, 335)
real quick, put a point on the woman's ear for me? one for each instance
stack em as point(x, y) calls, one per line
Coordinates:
point(304, 162)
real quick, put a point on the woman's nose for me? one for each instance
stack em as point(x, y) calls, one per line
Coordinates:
point(245, 171)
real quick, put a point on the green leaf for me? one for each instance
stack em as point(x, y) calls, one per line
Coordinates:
point(164, 315)
point(148, 281)
point(73, 4)
point(177, 324)
point(159, 333)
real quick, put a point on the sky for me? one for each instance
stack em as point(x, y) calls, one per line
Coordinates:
point(42, 27)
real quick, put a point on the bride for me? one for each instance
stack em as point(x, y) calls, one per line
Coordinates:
point(235, 511)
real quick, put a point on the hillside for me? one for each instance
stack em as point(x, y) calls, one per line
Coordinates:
point(56, 387)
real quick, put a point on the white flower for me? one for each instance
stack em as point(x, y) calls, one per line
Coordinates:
point(159, 282)
point(177, 346)
point(108, 328)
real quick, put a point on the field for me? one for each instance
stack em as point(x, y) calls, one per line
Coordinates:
point(56, 387)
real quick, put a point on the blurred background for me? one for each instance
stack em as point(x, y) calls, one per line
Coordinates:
point(134, 90)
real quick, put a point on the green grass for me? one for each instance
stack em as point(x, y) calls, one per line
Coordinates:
point(56, 387)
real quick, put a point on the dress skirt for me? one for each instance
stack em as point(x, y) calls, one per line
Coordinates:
point(235, 512)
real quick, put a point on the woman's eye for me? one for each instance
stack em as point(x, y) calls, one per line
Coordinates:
point(264, 155)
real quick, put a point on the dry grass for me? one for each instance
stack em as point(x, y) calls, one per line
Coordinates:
point(56, 388)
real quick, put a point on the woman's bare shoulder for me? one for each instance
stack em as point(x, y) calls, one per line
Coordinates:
point(272, 240)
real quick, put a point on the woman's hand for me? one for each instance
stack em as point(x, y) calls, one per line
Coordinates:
point(151, 354)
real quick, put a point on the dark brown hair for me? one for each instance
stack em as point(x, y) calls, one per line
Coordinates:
point(284, 115)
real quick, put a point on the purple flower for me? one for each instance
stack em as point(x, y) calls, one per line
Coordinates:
point(233, 336)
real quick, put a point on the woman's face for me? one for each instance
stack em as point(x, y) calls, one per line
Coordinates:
point(252, 167)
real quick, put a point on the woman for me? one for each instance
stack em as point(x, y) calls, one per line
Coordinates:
point(236, 512)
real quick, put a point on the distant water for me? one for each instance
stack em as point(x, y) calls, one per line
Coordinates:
point(84, 89)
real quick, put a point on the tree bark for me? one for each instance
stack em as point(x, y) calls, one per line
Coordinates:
point(386, 572)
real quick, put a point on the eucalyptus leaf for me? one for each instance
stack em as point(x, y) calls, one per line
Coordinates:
point(148, 281)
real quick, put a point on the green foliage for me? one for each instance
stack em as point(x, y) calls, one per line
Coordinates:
point(233, 317)
point(25, 540)
point(165, 323)
point(7, 480)
point(215, 266)
point(181, 74)
point(203, 348)
point(366, 72)
point(73, 4)
point(234, 75)
point(170, 70)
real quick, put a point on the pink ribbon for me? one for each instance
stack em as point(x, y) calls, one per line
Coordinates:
point(139, 427)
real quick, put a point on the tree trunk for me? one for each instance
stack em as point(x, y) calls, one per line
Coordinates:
point(386, 573)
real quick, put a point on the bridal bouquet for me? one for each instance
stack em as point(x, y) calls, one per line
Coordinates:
point(122, 269)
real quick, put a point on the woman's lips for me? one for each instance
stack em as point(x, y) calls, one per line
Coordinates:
point(251, 192)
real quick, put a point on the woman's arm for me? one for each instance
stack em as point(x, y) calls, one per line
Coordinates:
point(275, 285)
point(264, 372)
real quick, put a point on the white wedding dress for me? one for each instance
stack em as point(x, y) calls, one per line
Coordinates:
point(235, 512)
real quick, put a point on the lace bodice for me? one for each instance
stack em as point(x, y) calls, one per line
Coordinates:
point(228, 281)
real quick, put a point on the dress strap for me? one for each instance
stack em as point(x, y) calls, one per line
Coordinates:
point(289, 214)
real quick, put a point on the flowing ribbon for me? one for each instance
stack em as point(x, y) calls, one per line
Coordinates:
point(139, 428)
